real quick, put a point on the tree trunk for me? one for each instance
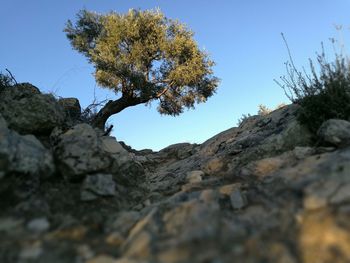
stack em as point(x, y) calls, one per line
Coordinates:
point(113, 107)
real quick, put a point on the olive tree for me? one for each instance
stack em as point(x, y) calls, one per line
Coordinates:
point(143, 57)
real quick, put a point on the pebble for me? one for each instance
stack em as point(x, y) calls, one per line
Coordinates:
point(238, 201)
point(38, 225)
point(194, 176)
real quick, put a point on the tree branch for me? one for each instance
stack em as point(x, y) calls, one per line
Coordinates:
point(162, 93)
point(12, 77)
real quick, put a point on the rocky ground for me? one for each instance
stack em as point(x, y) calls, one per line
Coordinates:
point(266, 191)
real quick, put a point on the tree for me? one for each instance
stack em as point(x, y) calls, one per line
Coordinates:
point(143, 57)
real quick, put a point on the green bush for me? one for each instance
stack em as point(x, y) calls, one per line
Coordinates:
point(322, 95)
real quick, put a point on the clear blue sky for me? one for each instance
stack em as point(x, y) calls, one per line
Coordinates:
point(242, 36)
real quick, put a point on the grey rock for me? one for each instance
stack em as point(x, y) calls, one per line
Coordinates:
point(27, 111)
point(97, 185)
point(79, 152)
point(336, 132)
point(82, 150)
point(19, 91)
point(38, 225)
point(23, 154)
point(109, 144)
point(72, 108)
point(178, 151)
point(237, 199)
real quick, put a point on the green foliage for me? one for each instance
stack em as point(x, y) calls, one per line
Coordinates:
point(322, 96)
point(144, 55)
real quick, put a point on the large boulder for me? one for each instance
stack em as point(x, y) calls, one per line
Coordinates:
point(79, 153)
point(27, 111)
point(82, 150)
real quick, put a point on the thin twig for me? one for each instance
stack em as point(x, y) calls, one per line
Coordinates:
point(12, 77)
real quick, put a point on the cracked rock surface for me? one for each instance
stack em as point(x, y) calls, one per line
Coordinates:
point(260, 192)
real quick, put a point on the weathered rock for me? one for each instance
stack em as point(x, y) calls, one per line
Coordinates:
point(194, 176)
point(124, 165)
point(82, 150)
point(72, 108)
point(335, 132)
point(261, 192)
point(178, 151)
point(27, 111)
point(97, 185)
point(79, 153)
point(23, 154)
point(38, 225)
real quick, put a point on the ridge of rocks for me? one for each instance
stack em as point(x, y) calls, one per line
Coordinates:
point(266, 191)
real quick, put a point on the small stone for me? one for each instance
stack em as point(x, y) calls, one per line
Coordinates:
point(38, 225)
point(238, 201)
point(229, 188)
point(115, 239)
point(194, 176)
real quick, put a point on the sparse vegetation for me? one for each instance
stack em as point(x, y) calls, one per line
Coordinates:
point(6, 80)
point(263, 110)
point(324, 93)
point(242, 119)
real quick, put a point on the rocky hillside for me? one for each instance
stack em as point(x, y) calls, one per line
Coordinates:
point(266, 191)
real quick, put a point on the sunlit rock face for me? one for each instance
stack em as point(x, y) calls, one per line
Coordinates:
point(260, 192)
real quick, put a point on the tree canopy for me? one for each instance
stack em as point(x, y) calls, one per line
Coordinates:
point(143, 56)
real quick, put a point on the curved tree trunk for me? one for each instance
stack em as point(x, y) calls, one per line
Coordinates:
point(112, 107)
